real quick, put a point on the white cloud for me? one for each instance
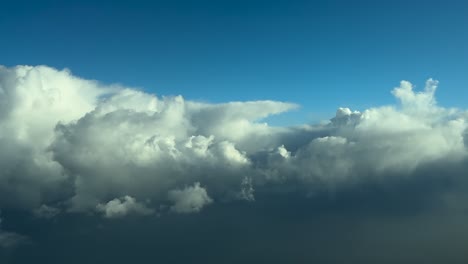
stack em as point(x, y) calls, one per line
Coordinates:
point(80, 143)
point(191, 199)
point(33, 101)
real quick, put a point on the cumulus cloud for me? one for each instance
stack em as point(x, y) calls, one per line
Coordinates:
point(122, 207)
point(191, 199)
point(377, 141)
point(81, 144)
point(32, 101)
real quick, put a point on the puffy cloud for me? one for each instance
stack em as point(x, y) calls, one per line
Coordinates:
point(191, 199)
point(32, 101)
point(122, 207)
point(80, 144)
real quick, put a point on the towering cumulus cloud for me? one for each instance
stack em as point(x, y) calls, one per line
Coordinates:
point(74, 145)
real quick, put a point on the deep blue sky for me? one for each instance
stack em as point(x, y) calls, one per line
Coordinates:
point(320, 54)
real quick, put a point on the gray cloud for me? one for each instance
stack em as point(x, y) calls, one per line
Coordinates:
point(11, 239)
point(122, 207)
point(45, 211)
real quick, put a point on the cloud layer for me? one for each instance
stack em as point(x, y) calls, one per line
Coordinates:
point(86, 166)
point(76, 145)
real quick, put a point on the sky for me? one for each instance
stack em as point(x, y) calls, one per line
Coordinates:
point(307, 52)
point(233, 132)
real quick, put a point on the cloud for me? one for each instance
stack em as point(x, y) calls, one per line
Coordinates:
point(32, 101)
point(80, 144)
point(11, 239)
point(47, 212)
point(104, 151)
point(247, 190)
point(191, 199)
point(122, 207)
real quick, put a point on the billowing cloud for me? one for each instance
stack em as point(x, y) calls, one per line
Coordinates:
point(33, 100)
point(83, 146)
point(190, 199)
